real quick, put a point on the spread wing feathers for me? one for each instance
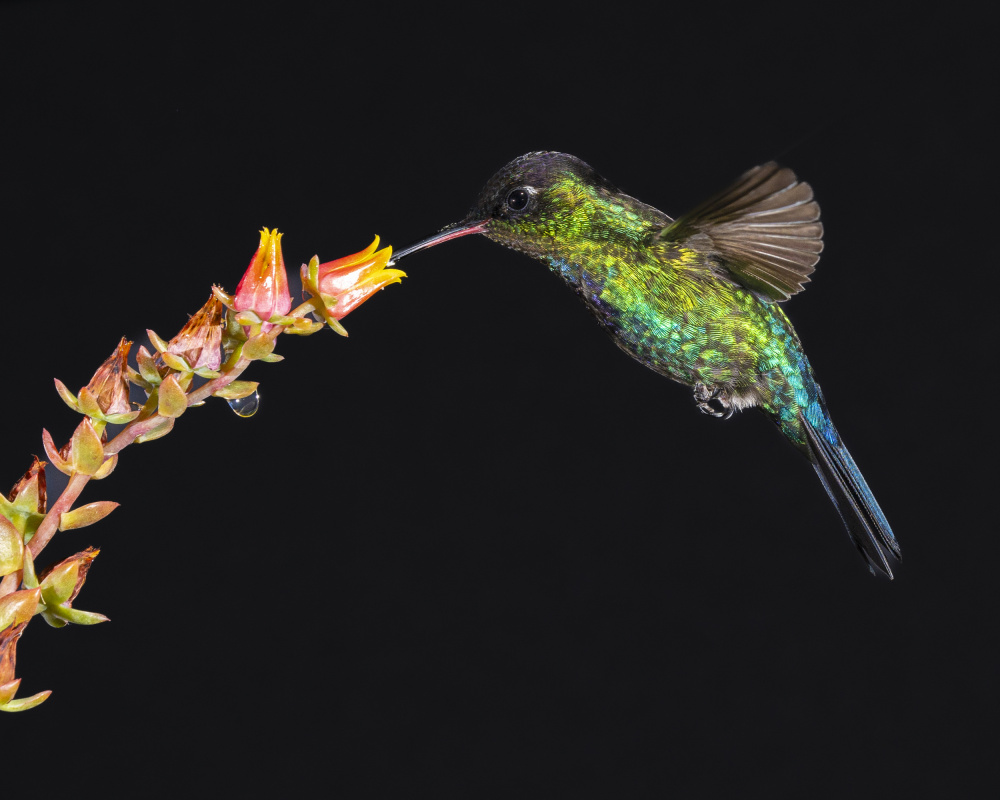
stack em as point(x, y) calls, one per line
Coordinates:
point(764, 230)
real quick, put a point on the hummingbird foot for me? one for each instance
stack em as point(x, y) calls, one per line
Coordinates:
point(714, 401)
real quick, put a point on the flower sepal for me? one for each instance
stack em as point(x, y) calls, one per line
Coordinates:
point(259, 348)
point(86, 515)
point(59, 587)
point(172, 396)
point(301, 326)
point(25, 507)
point(150, 374)
point(24, 703)
point(18, 608)
point(83, 454)
point(248, 318)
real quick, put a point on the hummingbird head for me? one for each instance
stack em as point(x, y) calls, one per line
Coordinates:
point(543, 204)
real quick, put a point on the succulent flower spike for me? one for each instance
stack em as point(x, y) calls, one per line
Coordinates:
point(264, 286)
point(344, 284)
point(205, 358)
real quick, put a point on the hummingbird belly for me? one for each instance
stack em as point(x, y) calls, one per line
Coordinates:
point(718, 335)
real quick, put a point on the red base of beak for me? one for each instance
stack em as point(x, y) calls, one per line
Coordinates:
point(449, 233)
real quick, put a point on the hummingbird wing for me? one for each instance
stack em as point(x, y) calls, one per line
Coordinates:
point(763, 231)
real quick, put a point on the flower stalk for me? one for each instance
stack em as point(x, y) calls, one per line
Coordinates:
point(216, 346)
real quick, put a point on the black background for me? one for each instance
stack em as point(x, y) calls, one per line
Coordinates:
point(474, 549)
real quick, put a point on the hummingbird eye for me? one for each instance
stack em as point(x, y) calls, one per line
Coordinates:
point(517, 200)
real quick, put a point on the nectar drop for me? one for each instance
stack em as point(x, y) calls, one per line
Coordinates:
point(246, 406)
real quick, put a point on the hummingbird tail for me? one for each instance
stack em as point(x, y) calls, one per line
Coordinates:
point(865, 522)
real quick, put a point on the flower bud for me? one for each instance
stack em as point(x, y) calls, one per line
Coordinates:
point(264, 287)
point(109, 386)
point(199, 342)
point(105, 398)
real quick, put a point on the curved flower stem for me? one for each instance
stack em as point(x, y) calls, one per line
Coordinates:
point(48, 527)
point(126, 436)
point(307, 307)
point(207, 390)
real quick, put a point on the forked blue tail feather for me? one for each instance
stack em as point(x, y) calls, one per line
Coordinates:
point(846, 487)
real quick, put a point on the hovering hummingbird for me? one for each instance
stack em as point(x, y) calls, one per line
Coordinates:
point(694, 298)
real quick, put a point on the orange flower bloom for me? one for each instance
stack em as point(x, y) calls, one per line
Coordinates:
point(344, 284)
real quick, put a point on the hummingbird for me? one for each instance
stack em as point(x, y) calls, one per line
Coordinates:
point(696, 299)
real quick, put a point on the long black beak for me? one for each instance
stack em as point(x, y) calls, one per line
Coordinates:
point(446, 235)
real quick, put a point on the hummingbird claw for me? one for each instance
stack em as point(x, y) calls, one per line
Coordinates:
point(713, 401)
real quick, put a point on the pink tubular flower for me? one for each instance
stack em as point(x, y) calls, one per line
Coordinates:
point(264, 287)
point(344, 284)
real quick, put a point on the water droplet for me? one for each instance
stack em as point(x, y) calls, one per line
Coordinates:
point(246, 406)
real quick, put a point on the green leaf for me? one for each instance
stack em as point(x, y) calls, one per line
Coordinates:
point(335, 325)
point(8, 690)
point(236, 390)
point(58, 585)
point(304, 327)
point(106, 468)
point(258, 346)
point(11, 547)
point(52, 620)
point(155, 432)
point(76, 616)
point(137, 379)
point(28, 577)
point(121, 419)
point(86, 515)
point(147, 367)
point(26, 702)
point(52, 452)
point(18, 607)
point(86, 450)
point(313, 270)
point(68, 397)
point(88, 404)
point(248, 318)
point(225, 299)
point(156, 341)
point(173, 399)
point(175, 362)
point(272, 358)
